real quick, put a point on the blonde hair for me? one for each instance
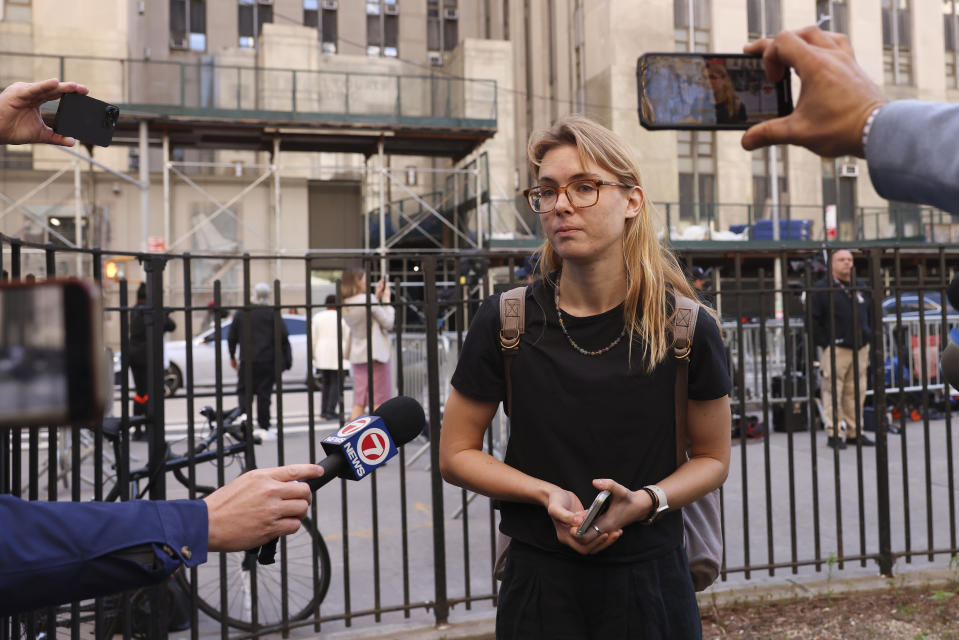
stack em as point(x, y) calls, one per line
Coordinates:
point(730, 99)
point(651, 268)
point(353, 282)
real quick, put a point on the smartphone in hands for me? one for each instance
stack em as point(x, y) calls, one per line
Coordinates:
point(708, 91)
point(87, 119)
point(599, 506)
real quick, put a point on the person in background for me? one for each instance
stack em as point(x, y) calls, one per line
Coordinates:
point(260, 357)
point(328, 357)
point(382, 314)
point(837, 315)
point(138, 355)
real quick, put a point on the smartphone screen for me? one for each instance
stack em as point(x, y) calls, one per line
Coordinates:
point(50, 354)
point(708, 91)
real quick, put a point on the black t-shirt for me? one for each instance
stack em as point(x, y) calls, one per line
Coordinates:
point(577, 417)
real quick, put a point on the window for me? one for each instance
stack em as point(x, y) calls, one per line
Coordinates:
point(15, 10)
point(15, 157)
point(322, 15)
point(761, 192)
point(699, 22)
point(896, 42)
point(763, 12)
point(832, 16)
point(188, 25)
point(382, 28)
point(697, 181)
point(950, 20)
point(442, 28)
point(253, 14)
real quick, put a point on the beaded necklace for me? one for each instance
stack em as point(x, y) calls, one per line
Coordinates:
point(599, 352)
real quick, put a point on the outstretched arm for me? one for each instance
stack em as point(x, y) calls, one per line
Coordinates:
point(20, 119)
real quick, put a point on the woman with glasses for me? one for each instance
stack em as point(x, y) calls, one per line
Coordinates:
point(592, 409)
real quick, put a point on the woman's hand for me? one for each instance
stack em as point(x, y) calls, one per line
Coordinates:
point(625, 508)
point(382, 292)
point(567, 513)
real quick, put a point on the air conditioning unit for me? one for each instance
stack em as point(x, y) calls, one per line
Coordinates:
point(391, 9)
point(180, 43)
point(451, 14)
point(848, 171)
point(264, 1)
point(435, 58)
point(333, 5)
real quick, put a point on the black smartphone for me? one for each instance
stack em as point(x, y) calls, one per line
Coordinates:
point(87, 119)
point(52, 365)
point(600, 504)
point(708, 91)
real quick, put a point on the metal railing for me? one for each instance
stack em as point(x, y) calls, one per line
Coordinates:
point(211, 89)
point(404, 544)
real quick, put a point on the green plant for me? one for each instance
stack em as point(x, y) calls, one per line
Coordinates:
point(941, 596)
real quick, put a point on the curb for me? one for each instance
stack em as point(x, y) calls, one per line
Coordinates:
point(802, 590)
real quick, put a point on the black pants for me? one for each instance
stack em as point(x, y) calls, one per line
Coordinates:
point(139, 370)
point(263, 380)
point(551, 597)
point(330, 389)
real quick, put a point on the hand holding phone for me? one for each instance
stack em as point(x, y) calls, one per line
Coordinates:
point(87, 119)
point(708, 91)
point(599, 506)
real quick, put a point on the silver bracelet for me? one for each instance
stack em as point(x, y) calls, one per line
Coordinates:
point(865, 129)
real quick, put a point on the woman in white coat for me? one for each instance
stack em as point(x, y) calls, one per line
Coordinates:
point(327, 363)
point(381, 313)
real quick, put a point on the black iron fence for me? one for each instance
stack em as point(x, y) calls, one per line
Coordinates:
point(405, 545)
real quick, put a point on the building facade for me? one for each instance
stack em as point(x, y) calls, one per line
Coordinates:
point(195, 64)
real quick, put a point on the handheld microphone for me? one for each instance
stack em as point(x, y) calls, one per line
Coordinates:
point(949, 363)
point(358, 448)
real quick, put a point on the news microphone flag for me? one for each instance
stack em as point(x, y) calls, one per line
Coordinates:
point(365, 443)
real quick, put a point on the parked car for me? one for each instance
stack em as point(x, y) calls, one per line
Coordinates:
point(204, 357)
point(909, 304)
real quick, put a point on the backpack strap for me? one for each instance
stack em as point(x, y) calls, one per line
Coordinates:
point(684, 328)
point(512, 322)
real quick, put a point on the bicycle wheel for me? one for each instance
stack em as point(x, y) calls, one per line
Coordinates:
point(304, 595)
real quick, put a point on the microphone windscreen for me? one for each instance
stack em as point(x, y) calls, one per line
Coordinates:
point(952, 292)
point(949, 362)
point(404, 418)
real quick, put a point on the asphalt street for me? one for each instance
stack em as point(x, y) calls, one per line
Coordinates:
point(788, 499)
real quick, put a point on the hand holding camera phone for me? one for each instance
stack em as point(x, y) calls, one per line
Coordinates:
point(87, 119)
point(708, 91)
point(598, 508)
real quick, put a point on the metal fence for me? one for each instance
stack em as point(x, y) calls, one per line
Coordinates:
point(404, 545)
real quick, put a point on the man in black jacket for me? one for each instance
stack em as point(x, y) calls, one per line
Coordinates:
point(837, 325)
point(138, 355)
point(259, 356)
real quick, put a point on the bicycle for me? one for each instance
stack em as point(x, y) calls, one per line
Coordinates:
point(307, 559)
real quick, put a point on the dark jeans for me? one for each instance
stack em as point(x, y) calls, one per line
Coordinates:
point(263, 380)
point(330, 390)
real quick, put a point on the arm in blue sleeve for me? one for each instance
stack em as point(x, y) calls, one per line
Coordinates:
point(55, 552)
point(911, 153)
